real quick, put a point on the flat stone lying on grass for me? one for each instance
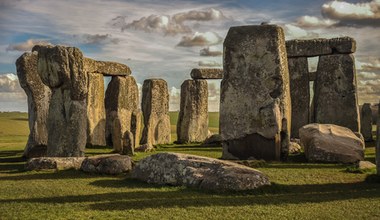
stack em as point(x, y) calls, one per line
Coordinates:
point(195, 171)
point(331, 143)
point(55, 163)
point(107, 164)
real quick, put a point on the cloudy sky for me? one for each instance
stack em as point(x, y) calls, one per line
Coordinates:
point(168, 38)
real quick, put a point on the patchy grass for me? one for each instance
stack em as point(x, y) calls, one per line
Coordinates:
point(299, 190)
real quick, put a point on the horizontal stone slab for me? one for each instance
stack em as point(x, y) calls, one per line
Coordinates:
point(207, 73)
point(320, 46)
point(56, 163)
point(106, 68)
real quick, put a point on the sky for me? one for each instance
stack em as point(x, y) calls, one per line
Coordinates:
point(166, 39)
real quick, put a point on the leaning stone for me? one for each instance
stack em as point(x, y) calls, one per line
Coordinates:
point(38, 104)
point(199, 172)
point(335, 93)
point(331, 143)
point(209, 73)
point(300, 93)
point(111, 164)
point(255, 108)
point(320, 46)
point(106, 68)
point(155, 108)
point(96, 114)
point(55, 163)
point(192, 124)
point(366, 122)
point(121, 101)
point(61, 68)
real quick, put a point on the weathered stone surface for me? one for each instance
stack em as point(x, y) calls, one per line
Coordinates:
point(364, 165)
point(320, 46)
point(144, 148)
point(312, 75)
point(200, 172)
point(378, 141)
point(155, 108)
point(366, 122)
point(192, 124)
point(56, 163)
point(300, 93)
point(128, 143)
point(96, 114)
point(121, 102)
point(106, 68)
point(255, 103)
point(331, 143)
point(61, 68)
point(112, 164)
point(38, 104)
point(209, 73)
point(335, 93)
point(136, 127)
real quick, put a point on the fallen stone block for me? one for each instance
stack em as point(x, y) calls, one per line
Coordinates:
point(111, 164)
point(55, 163)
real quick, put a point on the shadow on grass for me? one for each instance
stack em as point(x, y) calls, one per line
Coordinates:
point(50, 175)
point(20, 119)
point(181, 197)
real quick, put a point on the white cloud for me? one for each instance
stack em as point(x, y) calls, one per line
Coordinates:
point(356, 14)
point(209, 63)
point(295, 32)
point(27, 45)
point(12, 96)
point(312, 21)
point(210, 52)
point(200, 39)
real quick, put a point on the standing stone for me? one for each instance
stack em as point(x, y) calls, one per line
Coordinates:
point(366, 122)
point(300, 93)
point(96, 115)
point(128, 143)
point(38, 104)
point(335, 94)
point(255, 103)
point(378, 141)
point(192, 125)
point(155, 108)
point(61, 69)
point(121, 101)
point(136, 126)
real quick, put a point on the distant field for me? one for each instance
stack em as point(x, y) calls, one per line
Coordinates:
point(299, 190)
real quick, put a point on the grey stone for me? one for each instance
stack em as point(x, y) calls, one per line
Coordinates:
point(61, 69)
point(209, 73)
point(320, 46)
point(312, 75)
point(106, 68)
point(300, 93)
point(331, 143)
point(111, 164)
point(192, 124)
point(213, 140)
point(96, 114)
point(136, 126)
point(38, 104)
point(121, 102)
point(199, 172)
point(128, 143)
point(55, 163)
point(255, 103)
point(366, 122)
point(155, 108)
point(335, 93)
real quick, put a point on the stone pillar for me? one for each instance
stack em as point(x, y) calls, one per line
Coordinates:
point(61, 69)
point(96, 115)
point(366, 122)
point(378, 141)
point(121, 101)
point(300, 93)
point(136, 127)
point(155, 108)
point(335, 94)
point(38, 104)
point(192, 125)
point(255, 108)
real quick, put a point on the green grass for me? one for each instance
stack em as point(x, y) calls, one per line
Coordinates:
point(299, 190)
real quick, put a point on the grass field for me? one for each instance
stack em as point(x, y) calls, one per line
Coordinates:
point(299, 190)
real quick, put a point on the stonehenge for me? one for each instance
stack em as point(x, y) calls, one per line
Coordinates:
point(155, 108)
point(255, 108)
point(334, 83)
point(265, 98)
